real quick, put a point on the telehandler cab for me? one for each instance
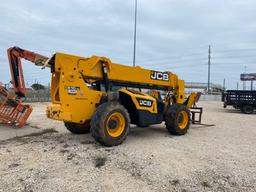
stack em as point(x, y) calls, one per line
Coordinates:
point(95, 95)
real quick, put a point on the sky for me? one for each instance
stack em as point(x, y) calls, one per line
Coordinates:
point(172, 35)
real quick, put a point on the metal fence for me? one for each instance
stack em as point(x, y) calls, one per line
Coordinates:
point(44, 96)
point(38, 96)
point(207, 97)
point(35, 95)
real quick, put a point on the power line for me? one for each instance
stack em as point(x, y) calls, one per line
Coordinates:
point(180, 60)
point(175, 66)
point(201, 53)
point(184, 58)
point(234, 56)
point(228, 64)
point(171, 57)
point(233, 50)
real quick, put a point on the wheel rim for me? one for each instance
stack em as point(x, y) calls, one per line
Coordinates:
point(115, 124)
point(183, 119)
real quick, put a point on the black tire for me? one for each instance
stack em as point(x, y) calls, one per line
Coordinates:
point(247, 109)
point(78, 128)
point(100, 124)
point(172, 119)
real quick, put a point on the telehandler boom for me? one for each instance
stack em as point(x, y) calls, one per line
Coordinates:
point(95, 95)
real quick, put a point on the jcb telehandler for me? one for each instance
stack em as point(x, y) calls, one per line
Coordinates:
point(104, 98)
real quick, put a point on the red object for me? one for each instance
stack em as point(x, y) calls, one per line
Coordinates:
point(15, 54)
point(12, 111)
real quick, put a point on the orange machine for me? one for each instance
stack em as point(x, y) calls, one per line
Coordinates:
point(12, 111)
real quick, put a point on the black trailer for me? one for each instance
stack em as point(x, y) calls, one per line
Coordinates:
point(243, 100)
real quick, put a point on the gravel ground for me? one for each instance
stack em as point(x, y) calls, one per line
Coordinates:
point(216, 158)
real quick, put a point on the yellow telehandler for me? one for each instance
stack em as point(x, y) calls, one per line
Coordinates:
point(95, 95)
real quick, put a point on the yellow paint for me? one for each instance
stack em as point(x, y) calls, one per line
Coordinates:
point(183, 119)
point(136, 94)
point(193, 99)
point(179, 92)
point(119, 120)
point(74, 101)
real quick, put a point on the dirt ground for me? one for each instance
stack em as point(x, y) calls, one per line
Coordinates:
point(207, 158)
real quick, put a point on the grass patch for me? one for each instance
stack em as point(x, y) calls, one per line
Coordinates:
point(22, 138)
point(100, 161)
point(34, 126)
point(64, 151)
point(87, 142)
point(206, 184)
point(36, 134)
point(13, 165)
point(175, 182)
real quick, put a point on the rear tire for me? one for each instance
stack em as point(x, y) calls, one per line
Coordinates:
point(247, 109)
point(177, 119)
point(110, 124)
point(77, 128)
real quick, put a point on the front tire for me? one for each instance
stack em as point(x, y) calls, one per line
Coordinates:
point(77, 128)
point(110, 124)
point(177, 119)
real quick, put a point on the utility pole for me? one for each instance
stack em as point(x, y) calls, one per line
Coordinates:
point(135, 34)
point(237, 86)
point(251, 85)
point(209, 68)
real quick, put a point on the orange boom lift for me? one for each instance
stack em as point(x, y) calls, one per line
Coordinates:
point(12, 111)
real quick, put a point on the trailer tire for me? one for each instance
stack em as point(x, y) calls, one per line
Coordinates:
point(110, 124)
point(247, 109)
point(77, 128)
point(177, 119)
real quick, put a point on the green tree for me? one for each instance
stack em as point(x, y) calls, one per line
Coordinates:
point(37, 86)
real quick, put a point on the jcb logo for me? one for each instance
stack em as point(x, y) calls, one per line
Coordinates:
point(159, 76)
point(144, 103)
